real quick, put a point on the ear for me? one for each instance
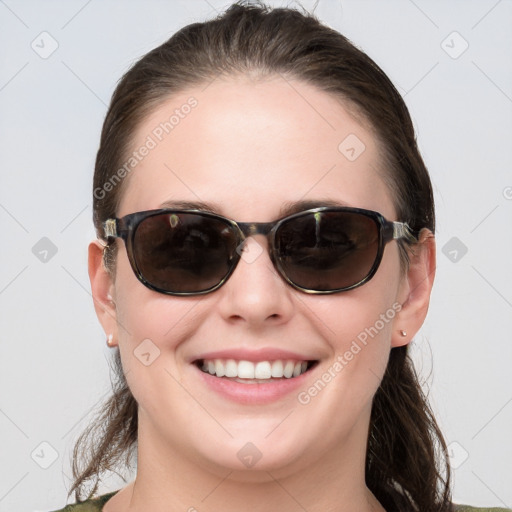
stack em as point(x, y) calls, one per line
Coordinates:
point(103, 291)
point(415, 289)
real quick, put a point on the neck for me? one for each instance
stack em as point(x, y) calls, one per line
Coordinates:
point(168, 480)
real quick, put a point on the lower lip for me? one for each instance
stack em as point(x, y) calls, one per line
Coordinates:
point(254, 393)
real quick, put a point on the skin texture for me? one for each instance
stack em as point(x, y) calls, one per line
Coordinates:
point(250, 146)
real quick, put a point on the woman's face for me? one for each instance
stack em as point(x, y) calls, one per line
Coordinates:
point(249, 148)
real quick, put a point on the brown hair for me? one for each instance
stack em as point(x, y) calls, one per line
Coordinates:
point(406, 452)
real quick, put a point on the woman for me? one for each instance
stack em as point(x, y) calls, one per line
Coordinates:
point(265, 256)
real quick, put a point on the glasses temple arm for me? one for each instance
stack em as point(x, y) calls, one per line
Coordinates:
point(402, 230)
point(110, 228)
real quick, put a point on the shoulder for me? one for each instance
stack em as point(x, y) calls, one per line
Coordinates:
point(467, 508)
point(92, 505)
point(96, 505)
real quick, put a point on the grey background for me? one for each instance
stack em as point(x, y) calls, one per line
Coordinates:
point(53, 358)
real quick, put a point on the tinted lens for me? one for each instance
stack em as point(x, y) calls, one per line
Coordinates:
point(184, 252)
point(328, 250)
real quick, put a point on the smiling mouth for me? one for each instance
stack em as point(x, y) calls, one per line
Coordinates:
point(254, 372)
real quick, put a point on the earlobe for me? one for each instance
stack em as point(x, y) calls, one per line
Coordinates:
point(415, 289)
point(103, 291)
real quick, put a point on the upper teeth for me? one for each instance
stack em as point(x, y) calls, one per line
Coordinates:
point(249, 370)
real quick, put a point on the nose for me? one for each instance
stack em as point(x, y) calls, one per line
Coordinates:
point(255, 293)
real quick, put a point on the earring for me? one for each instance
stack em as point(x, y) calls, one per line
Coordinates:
point(403, 333)
point(110, 341)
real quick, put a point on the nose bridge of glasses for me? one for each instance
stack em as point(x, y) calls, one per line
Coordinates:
point(255, 228)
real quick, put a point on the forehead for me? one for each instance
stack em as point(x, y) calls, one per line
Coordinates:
point(250, 146)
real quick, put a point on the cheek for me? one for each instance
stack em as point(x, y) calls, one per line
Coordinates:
point(151, 325)
point(360, 315)
point(360, 329)
point(156, 320)
point(142, 313)
point(359, 339)
point(151, 329)
point(358, 324)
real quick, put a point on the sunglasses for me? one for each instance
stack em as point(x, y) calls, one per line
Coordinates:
point(193, 252)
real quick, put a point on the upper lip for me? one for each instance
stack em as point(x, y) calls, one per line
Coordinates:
point(263, 354)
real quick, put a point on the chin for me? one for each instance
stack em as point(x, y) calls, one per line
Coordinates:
point(251, 461)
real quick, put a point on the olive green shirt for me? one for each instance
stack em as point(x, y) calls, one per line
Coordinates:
point(96, 505)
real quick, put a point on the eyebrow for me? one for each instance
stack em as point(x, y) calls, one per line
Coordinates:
point(288, 207)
